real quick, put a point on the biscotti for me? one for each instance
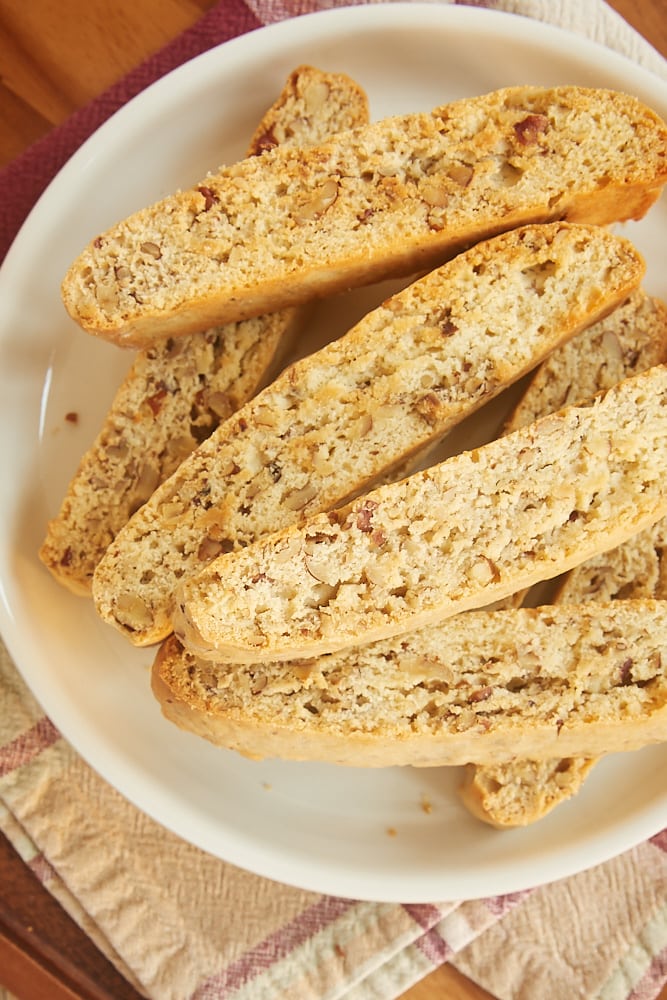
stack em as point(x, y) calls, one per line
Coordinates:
point(485, 687)
point(339, 419)
point(178, 391)
point(312, 106)
point(393, 198)
point(516, 793)
point(475, 528)
point(631, 339)
point(638, 568)
point(523, 791)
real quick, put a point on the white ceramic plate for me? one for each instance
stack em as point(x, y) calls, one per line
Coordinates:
point(314, 826)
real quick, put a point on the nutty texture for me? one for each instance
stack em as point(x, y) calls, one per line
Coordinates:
point(179, 390)
point(335, 423)
point(482, 687)
point(459, 535)
point(391, 198)
point(630, 340)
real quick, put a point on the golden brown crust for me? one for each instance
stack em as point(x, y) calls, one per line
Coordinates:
point(395, 197)
point(486, 687)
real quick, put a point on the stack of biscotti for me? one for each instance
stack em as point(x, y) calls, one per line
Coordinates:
point(632, 339)
point(391, 198)
point(342, 417)
point(317, 615)
point(542, 684)
point(178, 391)
point(521, 509)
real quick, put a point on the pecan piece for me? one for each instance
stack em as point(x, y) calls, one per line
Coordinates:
point(208, 195)
point(365, 515)
point(530, 129)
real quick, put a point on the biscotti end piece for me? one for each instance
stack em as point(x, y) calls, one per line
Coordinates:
point(178, 391)
point(462, 534)
point(327, 428)
point(638, 568)
point(484, 687)
point(313, 106)
point(522, 792)
point(393, 198)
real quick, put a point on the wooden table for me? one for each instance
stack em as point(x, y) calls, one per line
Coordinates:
point(55, 57)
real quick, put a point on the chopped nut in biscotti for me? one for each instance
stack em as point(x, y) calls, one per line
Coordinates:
point(318, 202)
point(152, 249)
point(298, 499)
point(530, 129)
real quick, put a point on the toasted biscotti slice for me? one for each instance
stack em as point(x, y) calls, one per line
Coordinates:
point(638, 568)
point(483, 687)
point(519, 792)
point(312, 106)
point(629, 340)
point(178, 391)
point(475, 528)
point(339, 419)
point(393, 198)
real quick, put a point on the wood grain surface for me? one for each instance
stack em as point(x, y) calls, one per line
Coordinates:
point(55, 56)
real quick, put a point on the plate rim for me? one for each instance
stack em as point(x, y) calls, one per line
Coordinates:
point(367, 14)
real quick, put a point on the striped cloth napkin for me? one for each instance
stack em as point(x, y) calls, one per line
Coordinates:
point(221, 932)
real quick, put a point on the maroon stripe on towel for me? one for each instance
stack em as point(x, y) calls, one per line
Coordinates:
point(424, 914)
point(274, 948)
point(42, 869)
point(27, 746)
point(660, 840)
point(500, 905)
point(653, 980)
point(434, 948)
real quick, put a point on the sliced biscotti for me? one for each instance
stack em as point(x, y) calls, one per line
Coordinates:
point(459, 535)
point(177, 392)
point(312, 106)
point(173, 397)
point(516, 793)
point(629, 340)
point(344, 416)
point(395, 197)
point(481, 687)
point(523, 791)
point(638, 568)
